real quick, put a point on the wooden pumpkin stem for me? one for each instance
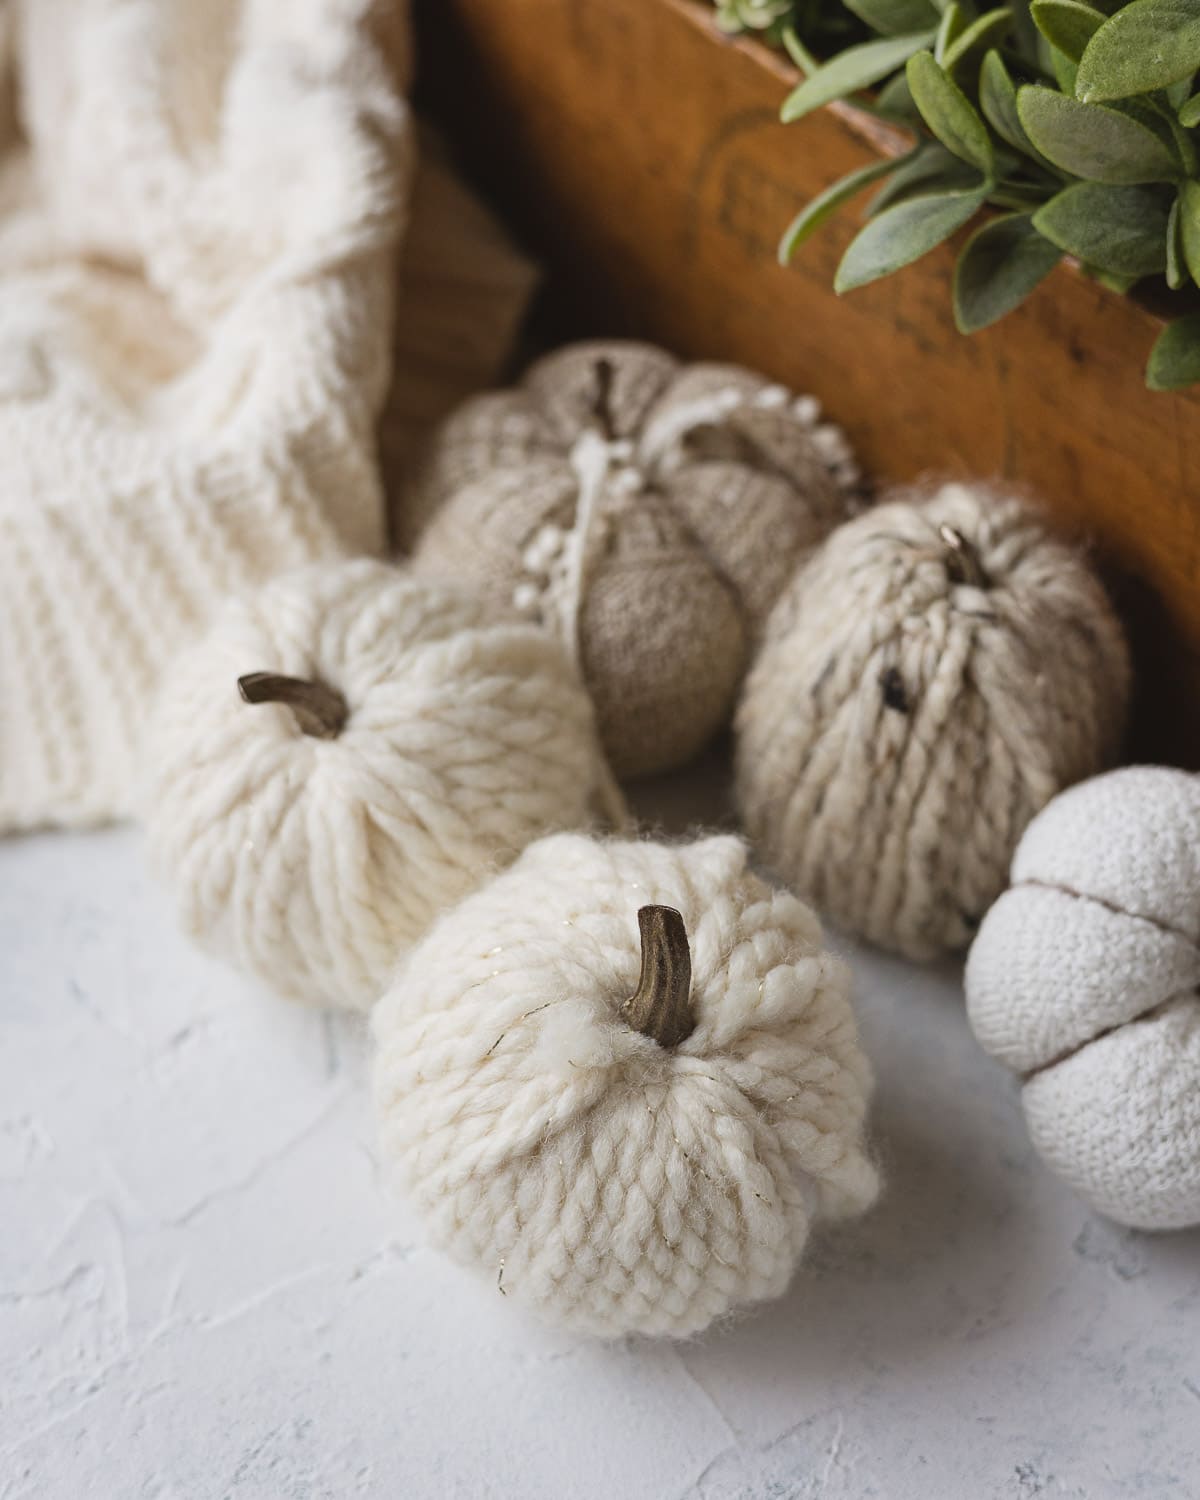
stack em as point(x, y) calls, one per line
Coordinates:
point(318, 709)
point(601, 406)
point(962, 560)
point(661, 1007)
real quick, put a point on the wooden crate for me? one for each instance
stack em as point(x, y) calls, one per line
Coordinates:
point(464, 291)
point(640, 152)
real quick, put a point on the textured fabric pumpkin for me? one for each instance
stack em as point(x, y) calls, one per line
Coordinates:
point(1085, 977)
point(647, 512)
point(938, 671)
point(394, 742)
point(624, 1080)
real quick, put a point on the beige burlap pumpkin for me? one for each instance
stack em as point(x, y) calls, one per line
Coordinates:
point(647, 512)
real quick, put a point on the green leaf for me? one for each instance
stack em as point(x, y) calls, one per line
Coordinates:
point(894, 17)
point(970, 46)
point(1093, 141)
point(1064, 71)
point(950, 114)
point(952, 22)
point(999, 266)
point(1189, 227)
point(931, 169)
point(1110, 279)
point(1121, 230)
point(798, 52)
point(826, 204)
point(998, 100)
point(1144, 46)
point(903, 234)
point(1176, 266)
point(895, 101)
point(1182, 142)
point(1189, 113)
point(856, 68)
point(1175, 358)
point(1068, 25)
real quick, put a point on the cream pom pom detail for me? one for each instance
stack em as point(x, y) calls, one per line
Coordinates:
point(394, 742)
point(929, 680)
point(645, 512)
point(1085, 978)
point(623, 1080)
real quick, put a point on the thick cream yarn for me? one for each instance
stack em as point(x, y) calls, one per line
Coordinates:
point(199, 203)
point(612, 1183)
point(313, 862)
point(647, 512)
point(936, 673)
point(1085, 978)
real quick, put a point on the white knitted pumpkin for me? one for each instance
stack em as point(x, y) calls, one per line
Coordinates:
point(625, 1155)
point(1085, 978)
point(428, 741)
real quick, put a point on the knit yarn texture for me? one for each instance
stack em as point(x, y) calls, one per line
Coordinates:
point(647, 512)
point(935, 674)
point(1085, 978)
point(312, 863)
point(198, 209)
point(612, 1185)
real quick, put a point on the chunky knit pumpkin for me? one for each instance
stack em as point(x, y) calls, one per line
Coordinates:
point(647, 512)
point(623, 1080)
point(392, 743)
point(935, 674)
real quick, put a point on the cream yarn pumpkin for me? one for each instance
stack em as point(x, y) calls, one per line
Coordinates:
point(628, 1132)
point(647, 512)
point(1085, 978)
point(416, 742)
point(934, 675)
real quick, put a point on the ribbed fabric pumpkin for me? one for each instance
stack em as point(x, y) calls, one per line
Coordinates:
point(1085, 978)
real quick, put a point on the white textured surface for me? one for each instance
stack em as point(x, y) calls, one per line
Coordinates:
point(202, 1293)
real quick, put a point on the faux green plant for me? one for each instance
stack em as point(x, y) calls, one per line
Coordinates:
point(1074, 125)
point(828, 28)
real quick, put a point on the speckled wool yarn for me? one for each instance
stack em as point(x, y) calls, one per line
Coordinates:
point(647, 512)
point(612, 1183)
point(1085, 978)
point(939, 670)
point(313, 862)
point(199, 205)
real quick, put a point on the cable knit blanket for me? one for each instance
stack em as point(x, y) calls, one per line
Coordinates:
point(199, 206)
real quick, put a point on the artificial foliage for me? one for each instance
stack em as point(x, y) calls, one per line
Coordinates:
point(1061, 127)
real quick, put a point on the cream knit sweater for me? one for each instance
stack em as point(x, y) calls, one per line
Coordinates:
point(199, 202)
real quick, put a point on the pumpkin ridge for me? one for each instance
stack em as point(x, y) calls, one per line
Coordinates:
point(1150, 1012)
point(1167, 928)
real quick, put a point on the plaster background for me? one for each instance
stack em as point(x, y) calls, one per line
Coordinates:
point(204, 1294)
